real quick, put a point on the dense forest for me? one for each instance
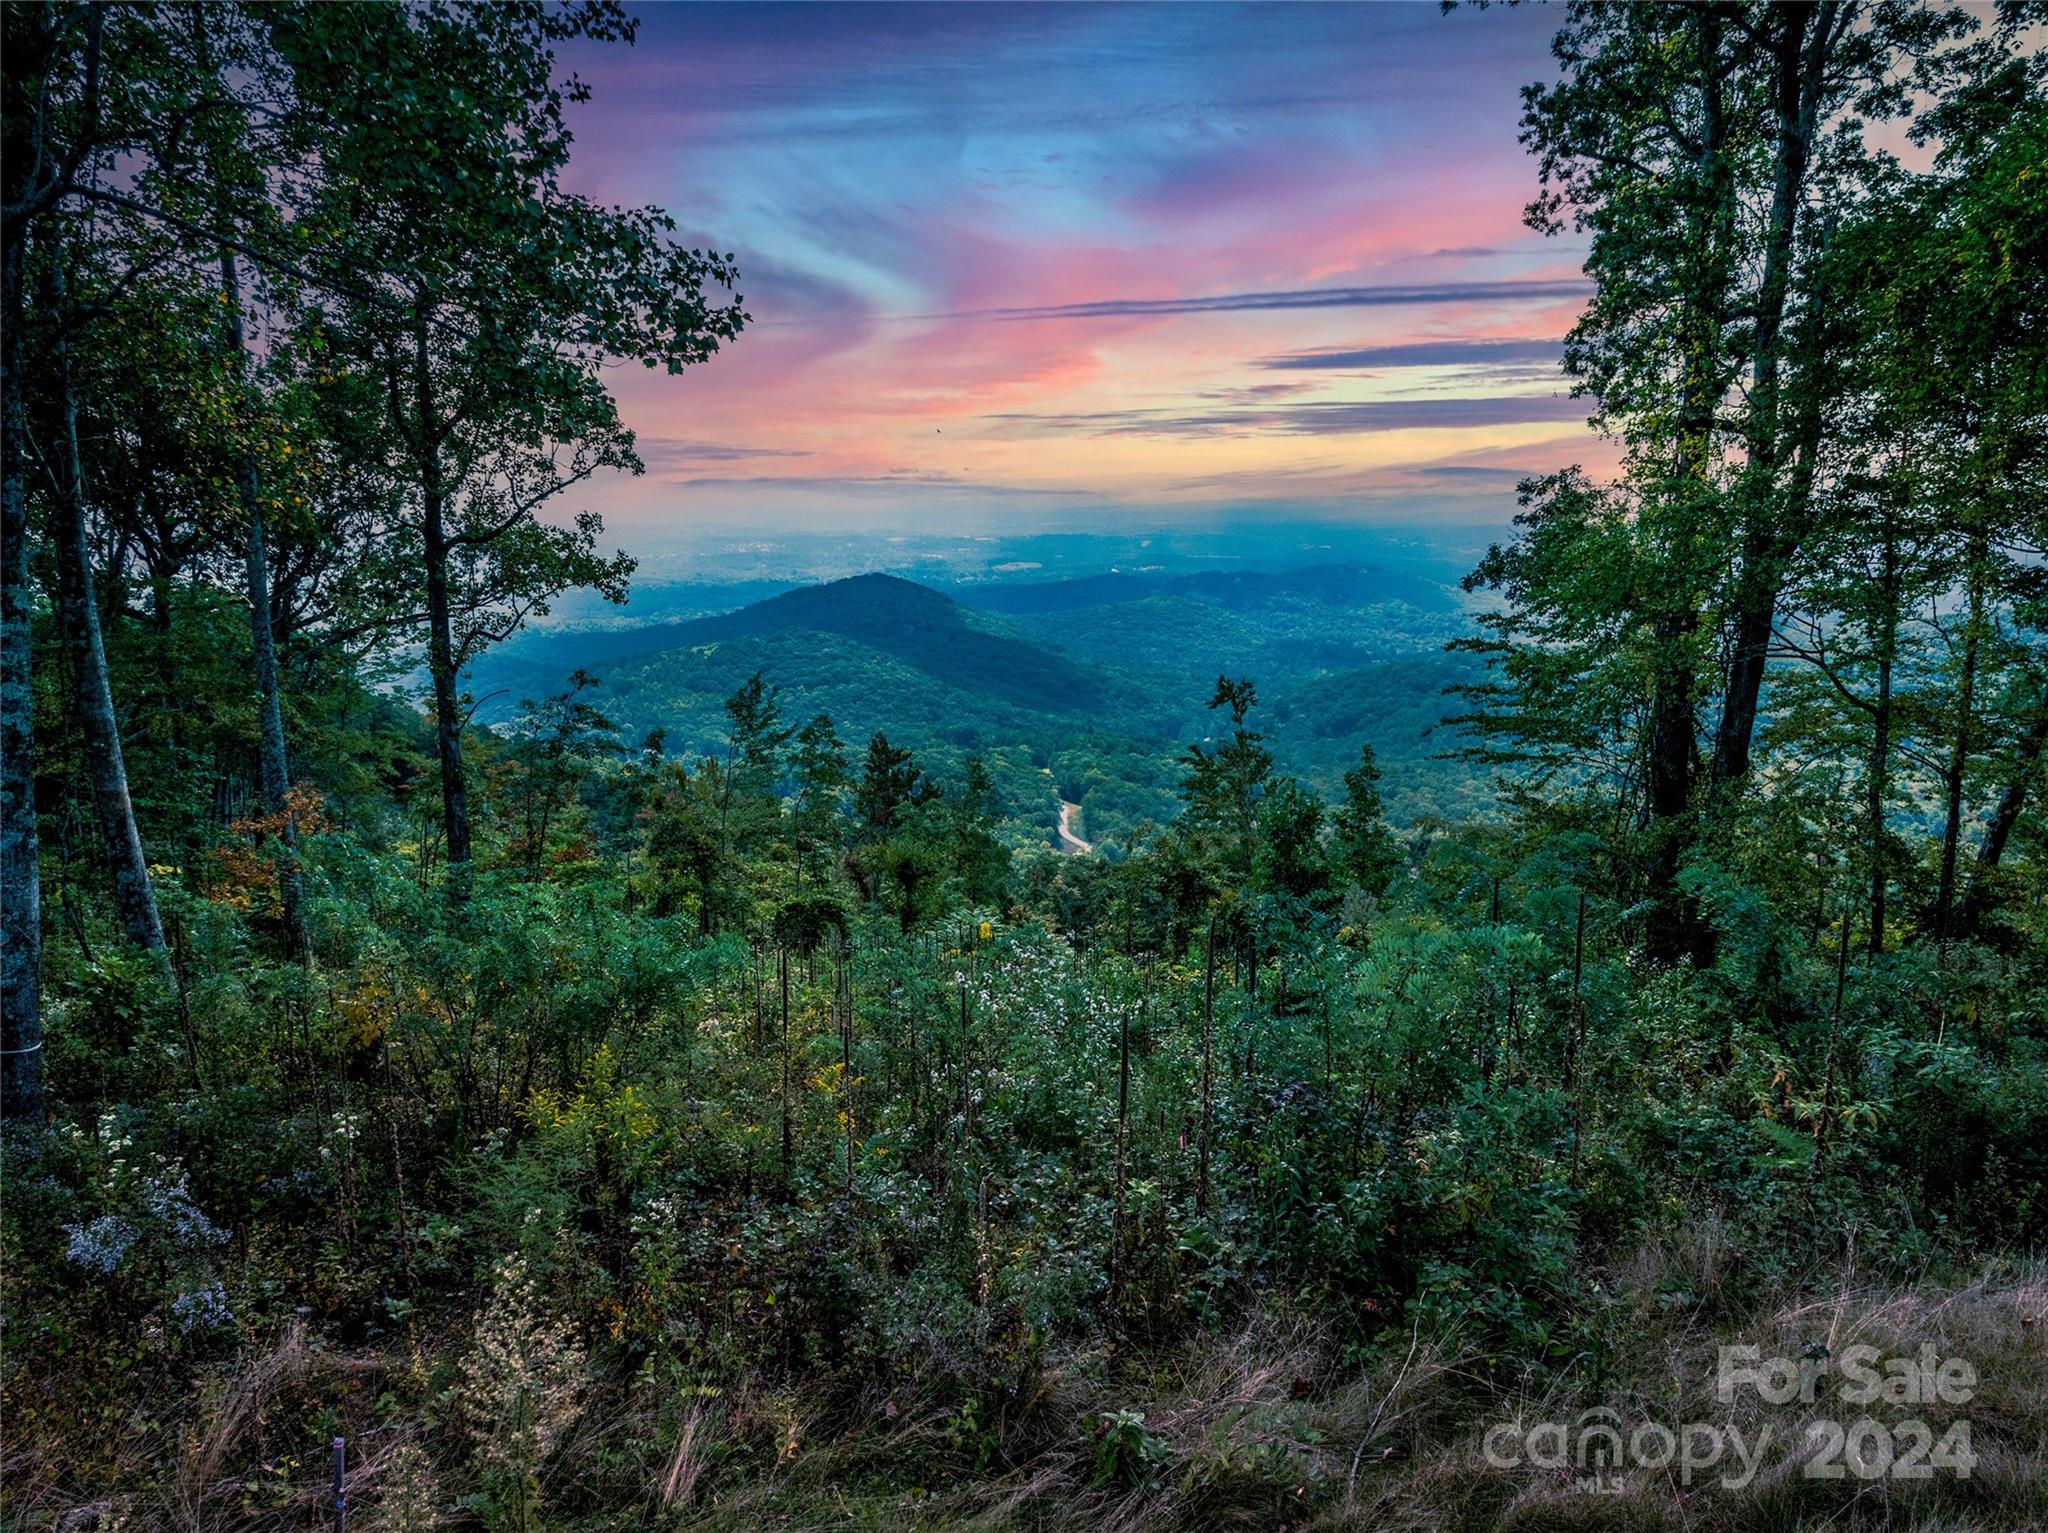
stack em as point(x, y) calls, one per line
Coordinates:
point(1080, 691)
point(595, 1120)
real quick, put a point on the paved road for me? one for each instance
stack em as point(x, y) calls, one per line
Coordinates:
point(1069, 842)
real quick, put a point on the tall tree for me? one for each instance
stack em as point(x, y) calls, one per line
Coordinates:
point(1365, 849)
point(1222, 786)
point(498, 297)
point(78, 619)
point(891, 783)
point(228, 53)
point(33, 174)
point(1706, 151)
point(755, 739)
point(818, 764)
point(51, 114)
point(1638, 145)
point(979, 861)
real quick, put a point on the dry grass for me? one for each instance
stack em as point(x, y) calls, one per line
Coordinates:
point(1992, 1320)
point(227, 1419)
point(686, 1464)
point(1266, 1428)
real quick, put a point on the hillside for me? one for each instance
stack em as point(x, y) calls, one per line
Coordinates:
point(922, 630)
point(1087, 689)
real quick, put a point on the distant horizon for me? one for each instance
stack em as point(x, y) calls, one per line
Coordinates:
point(686, 558)
point(1036, 267)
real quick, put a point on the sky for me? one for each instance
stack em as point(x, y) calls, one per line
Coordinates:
point(1058, 265)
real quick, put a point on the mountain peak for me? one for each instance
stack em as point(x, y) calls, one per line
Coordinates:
point(879, 581)
point(858, 604)
point(875, 586)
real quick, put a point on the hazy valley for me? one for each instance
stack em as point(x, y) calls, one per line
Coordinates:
point(1100, 679)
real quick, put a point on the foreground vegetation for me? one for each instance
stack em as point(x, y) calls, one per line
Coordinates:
point(594, 1135)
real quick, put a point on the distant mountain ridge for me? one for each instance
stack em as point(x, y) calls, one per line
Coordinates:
point(923, 629)
point(1099, 680)
point(1339, 584)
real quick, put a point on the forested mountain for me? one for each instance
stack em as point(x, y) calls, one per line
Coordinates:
point(521, 1075)
point(1081, 690)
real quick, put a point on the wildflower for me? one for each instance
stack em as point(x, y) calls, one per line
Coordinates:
point(100, 1245)
point(204, 1309)
point(409, 1502)
point(171, 1201)
point(521, 1387)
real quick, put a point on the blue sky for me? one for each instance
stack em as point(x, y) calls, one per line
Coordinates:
point(1081, 261)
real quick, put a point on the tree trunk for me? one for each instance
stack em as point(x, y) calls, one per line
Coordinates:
point(1827, 1095)
point(1123, 1137)
point(1879, 776)
point(1998, 830)
point(1208, 1068)
point(1953, 779)
point(2008, 813)
point(163, 575)
point(272, 771)
point(441, 629)
point(788, 1138)
point(1671, 927)
point(21, 918)
point(1774, 532)
point(85, 649)
point(1756, 609)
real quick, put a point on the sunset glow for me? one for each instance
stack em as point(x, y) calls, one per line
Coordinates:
point(1076, 257)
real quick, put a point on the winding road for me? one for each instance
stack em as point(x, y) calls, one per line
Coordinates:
point(1069, 842)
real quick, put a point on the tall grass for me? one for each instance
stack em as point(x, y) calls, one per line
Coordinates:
point(1267, 1425)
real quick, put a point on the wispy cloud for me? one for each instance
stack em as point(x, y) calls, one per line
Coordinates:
point(1311, 418)
point(1439, 353)
point(1505, 290)
point(899, 482)
point(1260, 393)
point(1471, 471)
point(1127, 255)
point(667, 454)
